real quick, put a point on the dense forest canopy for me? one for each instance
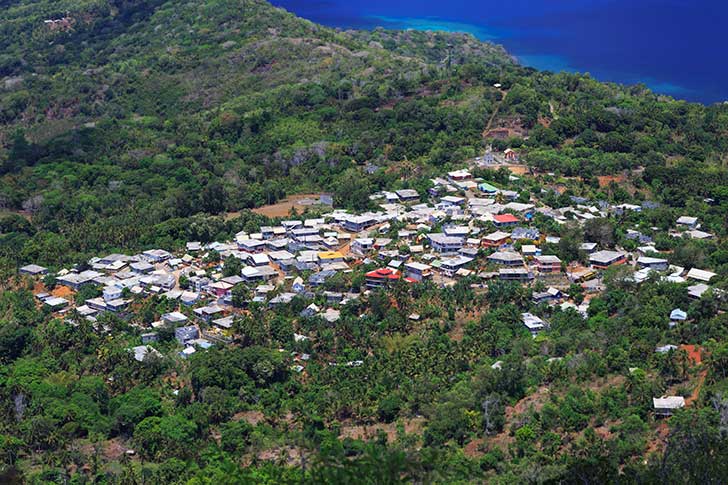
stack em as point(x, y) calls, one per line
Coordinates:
point(127, 125)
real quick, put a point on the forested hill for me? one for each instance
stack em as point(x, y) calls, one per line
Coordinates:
point(119, 120)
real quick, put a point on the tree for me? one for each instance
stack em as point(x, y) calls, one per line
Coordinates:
point(232, 266)
point(352, 190)
point(493, 414)
point(600, 231)
point(696, 451)
point(213, 197)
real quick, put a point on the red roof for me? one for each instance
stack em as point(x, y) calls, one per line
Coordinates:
point(502, 218)
point(383, 273)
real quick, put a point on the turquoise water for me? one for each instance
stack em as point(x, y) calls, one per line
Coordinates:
point(675, 47)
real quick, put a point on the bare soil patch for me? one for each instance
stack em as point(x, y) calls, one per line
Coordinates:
point(283, 208)
point(605, 180)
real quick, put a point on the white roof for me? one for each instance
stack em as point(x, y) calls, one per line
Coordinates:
point(700, 274)
point(56, 301)
point(532, 321)
point(649, 260)
point(697, 234)
point(687, 220)
point(259, 258)
point(668, 402)
point(174, 317)
point(605, 256)
point(497, 236)
point(418, 266)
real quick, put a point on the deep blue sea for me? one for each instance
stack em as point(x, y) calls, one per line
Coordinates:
point(676, 47)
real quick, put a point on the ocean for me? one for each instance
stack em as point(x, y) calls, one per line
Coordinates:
point(676, 47)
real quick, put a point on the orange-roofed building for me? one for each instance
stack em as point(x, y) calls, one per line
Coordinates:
point(505, 220)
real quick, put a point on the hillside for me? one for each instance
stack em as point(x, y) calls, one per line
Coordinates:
point(162, 104)
point(382, 336)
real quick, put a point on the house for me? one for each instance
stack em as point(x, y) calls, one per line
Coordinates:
point(112, 305)
point(604, 259)
point(156, 255)
point(318, 279)
point(330, 257)
point(687, 221)
point(142, 351)
point(208, 312)
point(149, 337)
point(665, 406)
point(506, 258)
point(459, 175)
point(258, 259)
point(551, 294)
point(33, 270)
point(407, 195)
point(487, 188)
point(381, 277)
point(515, 274)
point(362, 245)
point(657, 264)
point(333, 297)
point(298, 286)
point(663, 349)
point(331, 315)
point(185, 334)
point(456, 231)
point(588, 247)
point(111, 293)
point(282, 299)
point(495, 239)
point(443, 243)
point(174, 318)
point(291, 224)
point(697, 234)
point(510, 155)
point(696, 291)
point(505, 220)
point(251, 245)
point(77, 280)
point(529, 233)
point(358, 223)
point(450, 200)
point(471, 252)
point(418, 271)
point(533, 323)
point(259, 273)
point(700, 275)
point(548, 264)
point(219, 288)
point(450, 266)
point(187, 351)
point(677, 316)
point(158, 280)
point(301, 233)
point(55, 303)
point(530, 250)
point(310, 311)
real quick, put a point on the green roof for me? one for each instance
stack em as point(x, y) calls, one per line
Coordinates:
point(486, 187)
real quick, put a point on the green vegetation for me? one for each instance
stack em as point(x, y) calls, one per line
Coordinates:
point(138, 124)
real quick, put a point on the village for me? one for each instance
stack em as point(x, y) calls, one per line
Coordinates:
point(464, 227)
